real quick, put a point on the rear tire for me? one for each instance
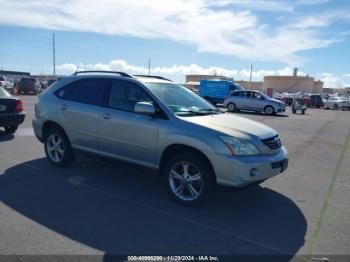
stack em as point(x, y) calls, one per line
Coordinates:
point(57, 147)
point(231, 107)
point(335, 107)
point(10, 129)
point(192, 185)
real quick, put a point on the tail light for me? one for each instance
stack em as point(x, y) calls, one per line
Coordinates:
point(20, 106)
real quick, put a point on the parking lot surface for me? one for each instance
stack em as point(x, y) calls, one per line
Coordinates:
point(100, 206)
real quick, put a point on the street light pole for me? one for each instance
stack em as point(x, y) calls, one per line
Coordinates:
point(54, 54)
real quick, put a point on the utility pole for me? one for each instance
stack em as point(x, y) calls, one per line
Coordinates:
point(149, 66)
point(250, 78)
point(54, 54)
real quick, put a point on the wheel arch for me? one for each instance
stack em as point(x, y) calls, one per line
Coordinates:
point(48, 124)
point(179, 148)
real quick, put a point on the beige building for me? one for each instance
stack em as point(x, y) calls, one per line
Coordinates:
point(292, 84)
point(251, 85)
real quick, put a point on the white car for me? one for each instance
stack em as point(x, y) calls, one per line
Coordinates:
point(336, 103)
point(6, 84)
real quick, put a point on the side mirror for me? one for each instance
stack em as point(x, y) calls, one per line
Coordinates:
point(144, 108)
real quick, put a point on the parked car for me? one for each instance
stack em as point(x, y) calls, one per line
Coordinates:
point(29, 85)
point(156, 123)
point(216, 91)
point(316, 100)
point(253, 101)
point(336, 103)
point(11, 112)
point(6, 83)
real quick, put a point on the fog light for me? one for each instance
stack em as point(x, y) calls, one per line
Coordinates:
point(253, 172)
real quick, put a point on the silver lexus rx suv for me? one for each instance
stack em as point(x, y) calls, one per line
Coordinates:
point(154, 122)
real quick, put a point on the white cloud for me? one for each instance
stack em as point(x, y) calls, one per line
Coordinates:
point(333, 81)
point(193, 22)
point(321, 20)
point(312, 2)
point(265, 5)
point(176, 72)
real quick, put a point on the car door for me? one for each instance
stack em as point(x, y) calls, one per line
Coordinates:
point(259, 102)
point(79, 111)
point(246, 100)
point(125, 134)
point(238, 97)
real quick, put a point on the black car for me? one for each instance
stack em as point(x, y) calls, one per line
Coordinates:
point(11, 112)
point(316, 101)
point(29, 85)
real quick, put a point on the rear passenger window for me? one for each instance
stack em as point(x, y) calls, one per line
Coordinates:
point(91, 91)
point(124, 96)
point(69, 92)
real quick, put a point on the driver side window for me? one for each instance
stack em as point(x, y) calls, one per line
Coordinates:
point(124, 96)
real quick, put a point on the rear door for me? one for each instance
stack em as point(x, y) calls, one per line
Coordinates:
point(125, 134)
point(79, 109)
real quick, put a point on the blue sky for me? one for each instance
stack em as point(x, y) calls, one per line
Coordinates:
point(180, 37)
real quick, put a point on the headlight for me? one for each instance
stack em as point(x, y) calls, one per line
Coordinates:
point(239, 147)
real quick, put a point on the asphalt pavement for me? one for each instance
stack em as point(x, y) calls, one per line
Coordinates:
point(100, 206)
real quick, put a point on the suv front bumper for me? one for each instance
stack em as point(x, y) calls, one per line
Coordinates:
point(242, 171)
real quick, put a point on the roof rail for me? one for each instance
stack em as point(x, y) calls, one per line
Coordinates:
point(158, 77)
point(108, 72)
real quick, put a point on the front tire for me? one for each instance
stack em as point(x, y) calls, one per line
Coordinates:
point(269, 110)
point(189, 178)
point(57, 148)
point(10, 129)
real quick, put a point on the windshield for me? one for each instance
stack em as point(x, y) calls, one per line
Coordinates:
point(238, 87)
point(181, 100)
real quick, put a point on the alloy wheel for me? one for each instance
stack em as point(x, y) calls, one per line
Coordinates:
point(186, 180)
point(55, 147)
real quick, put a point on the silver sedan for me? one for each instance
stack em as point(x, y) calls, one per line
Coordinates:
point(253, 101)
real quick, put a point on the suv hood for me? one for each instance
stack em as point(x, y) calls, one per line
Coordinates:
point(233, 125)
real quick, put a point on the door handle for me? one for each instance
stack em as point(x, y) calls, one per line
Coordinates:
point(64, 107)
point(106, 116)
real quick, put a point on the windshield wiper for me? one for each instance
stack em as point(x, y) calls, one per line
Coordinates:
point(202, 111)
point(208, 110)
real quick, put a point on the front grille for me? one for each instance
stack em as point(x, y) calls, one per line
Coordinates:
point(278, 164)
point(272, 142)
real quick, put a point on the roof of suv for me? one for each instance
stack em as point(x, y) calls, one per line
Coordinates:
point(142, 78)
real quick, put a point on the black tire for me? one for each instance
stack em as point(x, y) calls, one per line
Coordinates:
point(294, 111)
point(67, 156)
point(335, 107)
point(207, 177)
point(269, 110)
point(303, 112)
point(231, 107)
point(10, 129)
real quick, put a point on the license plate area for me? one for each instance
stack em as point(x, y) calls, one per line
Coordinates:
point(2, 108)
